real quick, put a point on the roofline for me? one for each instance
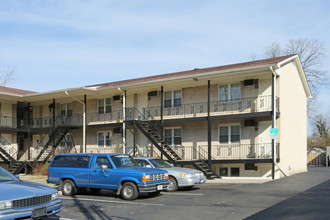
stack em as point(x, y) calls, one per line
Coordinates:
point(264, 66)
point(300, 70)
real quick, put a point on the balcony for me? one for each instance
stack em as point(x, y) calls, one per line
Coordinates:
point(8, 122)
point(112, 117)
point(192, 110)
point(226, 152)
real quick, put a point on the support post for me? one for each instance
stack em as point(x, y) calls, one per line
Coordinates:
point(161, 114)
point(29, 132)
point(124, 122)
point(84, 124)
point(209, 150)
point(273, 123)
point(54, 113)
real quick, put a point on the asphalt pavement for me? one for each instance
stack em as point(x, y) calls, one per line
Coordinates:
point(301, 196)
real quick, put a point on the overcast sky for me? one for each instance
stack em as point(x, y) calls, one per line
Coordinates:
point(57, 44)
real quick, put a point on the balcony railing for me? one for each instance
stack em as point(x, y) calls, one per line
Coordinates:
point(8, 122)
point(243, 105)
point(117, 148)
point(112, 117)
point(230, 151)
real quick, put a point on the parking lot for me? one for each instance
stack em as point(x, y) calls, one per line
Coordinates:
point(301, 196)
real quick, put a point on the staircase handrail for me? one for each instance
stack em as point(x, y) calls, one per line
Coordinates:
point(50, 130)
point(13, 153)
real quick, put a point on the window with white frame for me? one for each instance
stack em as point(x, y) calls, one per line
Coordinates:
point(66, 141)
point(229, 92)
point(104, 105)
point(172, 98)
point(173, 136)
point(229, 134)
point(66, 109)
point(104, 139)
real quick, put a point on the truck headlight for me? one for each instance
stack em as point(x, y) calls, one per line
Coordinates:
point(145, 178)
point(54, 196)
point(6, 205)
point(186, 175)
point(166, 175)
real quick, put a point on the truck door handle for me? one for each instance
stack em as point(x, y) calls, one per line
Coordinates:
point(94, 171)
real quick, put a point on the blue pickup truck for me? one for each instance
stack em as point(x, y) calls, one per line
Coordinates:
point(118, 172)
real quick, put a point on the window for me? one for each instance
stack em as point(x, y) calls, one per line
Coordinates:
point(234, 171)
point(223, 171)
point(66, 109)
point(104, 105)
point(66, 142)
point(142, 163)
point(229, 92)
point(104, 139)
point(172, 99)
point(71, 161)
point(229, 134)
point(102, 161)
point(173, 136)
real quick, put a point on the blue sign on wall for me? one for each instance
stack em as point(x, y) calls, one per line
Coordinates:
point(274, 133)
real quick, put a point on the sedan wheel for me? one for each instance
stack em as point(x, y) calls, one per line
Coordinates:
point(173, 185)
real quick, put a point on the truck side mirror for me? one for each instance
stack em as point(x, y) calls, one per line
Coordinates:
point(104, 167)
point(148, 166)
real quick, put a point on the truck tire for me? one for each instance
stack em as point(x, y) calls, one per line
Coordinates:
point(173, 184)
point(129, 191)
point(69, 188)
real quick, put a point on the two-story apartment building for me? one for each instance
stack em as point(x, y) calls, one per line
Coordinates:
point(215, 119)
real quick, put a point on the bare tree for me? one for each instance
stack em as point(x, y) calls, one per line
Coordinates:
point(273, 50)
point(6, 75)
point(311, 52)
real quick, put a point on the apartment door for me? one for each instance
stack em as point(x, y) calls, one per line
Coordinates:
point(265, 95)
point(265, 143)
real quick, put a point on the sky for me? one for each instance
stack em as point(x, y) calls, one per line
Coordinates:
point(58, 44)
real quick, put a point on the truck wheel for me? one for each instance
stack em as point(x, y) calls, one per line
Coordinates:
point(173, 185)
point(129, 191)
point(69, 188)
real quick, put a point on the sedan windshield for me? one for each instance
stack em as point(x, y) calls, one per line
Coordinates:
point(123, 161)
point(6, 176)
point(159, 163)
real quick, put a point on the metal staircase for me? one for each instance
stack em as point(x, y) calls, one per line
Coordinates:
point(5, 156)
point(55, 133)
point(152, 130)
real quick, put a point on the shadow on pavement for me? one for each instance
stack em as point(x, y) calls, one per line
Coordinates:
point(313, 203)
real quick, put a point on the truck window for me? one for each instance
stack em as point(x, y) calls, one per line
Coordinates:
point(102, 161)
point(71, 161)
point(123, 161)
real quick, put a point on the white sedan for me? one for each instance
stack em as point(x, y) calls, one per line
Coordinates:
point(178, 177)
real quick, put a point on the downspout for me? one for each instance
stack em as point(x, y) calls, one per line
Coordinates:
point(274, 122)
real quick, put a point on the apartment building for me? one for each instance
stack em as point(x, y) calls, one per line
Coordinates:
point(217, 119)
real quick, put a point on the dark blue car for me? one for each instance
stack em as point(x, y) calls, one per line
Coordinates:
point(24, 199)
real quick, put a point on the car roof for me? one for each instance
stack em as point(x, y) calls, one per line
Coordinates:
point(146, 158)
point(85, 154)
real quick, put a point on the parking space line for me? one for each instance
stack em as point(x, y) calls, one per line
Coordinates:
point(108, 201)
point(183, 194)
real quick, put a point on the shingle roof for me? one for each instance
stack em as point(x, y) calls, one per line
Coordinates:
point(196, 71)
point(15, 91)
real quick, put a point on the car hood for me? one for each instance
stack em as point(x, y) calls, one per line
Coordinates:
point(20, 189)
point(179, 170)
point(142, 169)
